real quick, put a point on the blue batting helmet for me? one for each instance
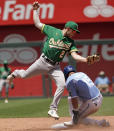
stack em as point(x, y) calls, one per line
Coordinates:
point(67, 70)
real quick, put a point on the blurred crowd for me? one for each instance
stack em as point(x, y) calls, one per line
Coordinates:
point(105, 85)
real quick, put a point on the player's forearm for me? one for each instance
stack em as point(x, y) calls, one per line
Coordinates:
point(78, 57)
point(74, 103)
point(36, 19)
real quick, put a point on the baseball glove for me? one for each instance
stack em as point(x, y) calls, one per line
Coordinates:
point(35, 5)
point(93, 59)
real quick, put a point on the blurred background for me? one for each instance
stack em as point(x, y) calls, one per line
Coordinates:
point(21, 42)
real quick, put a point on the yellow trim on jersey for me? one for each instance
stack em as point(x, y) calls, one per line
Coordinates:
point(75, 50)
point(42, 28)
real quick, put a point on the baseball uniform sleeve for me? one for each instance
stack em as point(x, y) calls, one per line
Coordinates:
point(73, 48)
point(71, 87)
point(48, 30)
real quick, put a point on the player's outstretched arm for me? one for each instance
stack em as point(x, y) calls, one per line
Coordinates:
point(36, 19)
point(89, 60)
point(78, 57)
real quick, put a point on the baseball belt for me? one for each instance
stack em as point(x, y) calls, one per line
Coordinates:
point(50, 61)
point(96, 98)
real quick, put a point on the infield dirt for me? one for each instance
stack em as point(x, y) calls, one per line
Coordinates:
point(44, 124)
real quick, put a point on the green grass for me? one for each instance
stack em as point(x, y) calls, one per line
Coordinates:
point(37, 107)
point(107, 108)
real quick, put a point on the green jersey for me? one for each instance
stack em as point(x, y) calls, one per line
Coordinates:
point(4, 72)
point(56, 45)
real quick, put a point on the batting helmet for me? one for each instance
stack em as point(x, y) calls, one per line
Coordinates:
point(67, 70)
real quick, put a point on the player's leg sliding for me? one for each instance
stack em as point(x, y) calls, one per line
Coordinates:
point(104, 123)
point(53, 113)
point(101, 123)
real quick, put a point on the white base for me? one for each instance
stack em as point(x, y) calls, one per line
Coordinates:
point(59, 126)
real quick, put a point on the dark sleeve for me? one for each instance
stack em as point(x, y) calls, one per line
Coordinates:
point(73, 48)
point(48, 30)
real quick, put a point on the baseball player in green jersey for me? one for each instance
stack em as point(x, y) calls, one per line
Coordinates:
point(4, 72)
point(58, 43)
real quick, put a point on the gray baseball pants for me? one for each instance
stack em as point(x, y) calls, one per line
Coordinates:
point(87, 108)
point(41, 66)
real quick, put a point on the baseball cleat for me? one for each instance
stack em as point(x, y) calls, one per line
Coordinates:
point(53, 114)
point(104, 123)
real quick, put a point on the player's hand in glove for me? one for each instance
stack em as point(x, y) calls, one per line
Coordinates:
point(93, 59)
point(35, 5)
point(75, 116)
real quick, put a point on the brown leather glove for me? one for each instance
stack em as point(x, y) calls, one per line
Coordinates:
point(93, 59)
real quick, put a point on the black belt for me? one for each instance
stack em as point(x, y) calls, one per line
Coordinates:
point(50, 61)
